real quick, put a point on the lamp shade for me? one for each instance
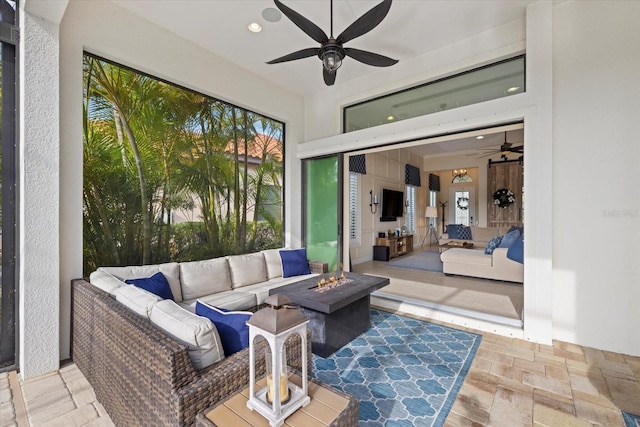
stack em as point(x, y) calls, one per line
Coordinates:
point(431, 212)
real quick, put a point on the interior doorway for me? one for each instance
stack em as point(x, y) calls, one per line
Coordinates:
point(463, 203)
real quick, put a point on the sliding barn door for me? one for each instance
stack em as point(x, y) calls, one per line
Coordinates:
point(509, 176)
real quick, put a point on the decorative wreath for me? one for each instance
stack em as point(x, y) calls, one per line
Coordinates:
point(503, 198)
point(463, 203)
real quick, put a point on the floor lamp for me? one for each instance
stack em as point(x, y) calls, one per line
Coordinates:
point(431, 212)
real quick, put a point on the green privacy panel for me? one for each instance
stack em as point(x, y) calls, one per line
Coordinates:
point(321, 208)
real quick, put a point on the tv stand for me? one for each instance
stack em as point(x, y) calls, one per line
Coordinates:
point(399, 245)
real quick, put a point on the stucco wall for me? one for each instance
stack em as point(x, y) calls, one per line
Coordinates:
point(39, 169)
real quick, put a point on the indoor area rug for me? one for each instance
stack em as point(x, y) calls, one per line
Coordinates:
point(630, 419)
point(427, 261)
point(404, 371)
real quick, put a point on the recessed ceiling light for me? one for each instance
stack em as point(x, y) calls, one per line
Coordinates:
point(391, 118)
point(513, 89)
point(480, 137)
point(254, 27)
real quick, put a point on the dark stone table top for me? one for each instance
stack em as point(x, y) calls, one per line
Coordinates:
point(303, 293)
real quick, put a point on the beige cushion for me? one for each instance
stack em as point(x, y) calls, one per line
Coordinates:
point(274, 263)
point(247, 269)
point(105, 281)
point(136, 299)
point(196, 332)
point(484, 234)
point(206, 277)
point(466, 256)
point(170, 271)
point(231, 300)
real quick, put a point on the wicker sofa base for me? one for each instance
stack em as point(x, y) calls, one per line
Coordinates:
point(141, 375)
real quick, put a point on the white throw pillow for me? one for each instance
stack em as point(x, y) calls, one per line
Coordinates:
point(136, 299)
point(200, 278)
point(247, 269)
point(196, 332)
point(274, 263)
point(170, 271)
point(105, 281)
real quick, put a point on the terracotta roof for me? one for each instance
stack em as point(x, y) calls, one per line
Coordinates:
point(257, 146)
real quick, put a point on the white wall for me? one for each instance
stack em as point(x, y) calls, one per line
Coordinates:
point(104, 29)
point(384, 170)
point(39, 169)
point(596, 202)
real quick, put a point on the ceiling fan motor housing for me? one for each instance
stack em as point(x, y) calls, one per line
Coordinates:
point(331, 53)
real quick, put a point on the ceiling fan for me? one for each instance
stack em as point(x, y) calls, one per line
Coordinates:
point(505, 149)
point(331, 51)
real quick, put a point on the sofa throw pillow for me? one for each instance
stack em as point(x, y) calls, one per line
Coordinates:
point(493, 243)
point(294, 262)
point(453, 230)
point(156, 284)
point(516, 250)
point(464, 232)
point(509, 238)
point(231, 325)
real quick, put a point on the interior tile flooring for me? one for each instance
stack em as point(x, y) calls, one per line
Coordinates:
point(493, 297)
point(511, 382)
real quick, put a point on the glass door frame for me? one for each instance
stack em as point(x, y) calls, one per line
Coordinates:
point(339, 202)
point(9, 37)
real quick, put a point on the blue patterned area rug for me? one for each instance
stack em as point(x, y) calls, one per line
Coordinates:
point(405, 372)
point(427, 261)
point(631, 420)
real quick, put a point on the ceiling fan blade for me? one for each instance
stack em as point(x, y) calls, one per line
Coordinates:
point(519, 149)
point(329, 78)
point(304, 53)
point(369, 58)
point(487, 155)
point(365, 23)
point(311, 29)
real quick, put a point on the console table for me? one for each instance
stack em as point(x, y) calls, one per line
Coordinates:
point(399, 245)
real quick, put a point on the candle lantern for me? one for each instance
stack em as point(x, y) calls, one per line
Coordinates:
point(280, 398)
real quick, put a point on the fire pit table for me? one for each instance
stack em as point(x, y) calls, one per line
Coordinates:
point(338, 311)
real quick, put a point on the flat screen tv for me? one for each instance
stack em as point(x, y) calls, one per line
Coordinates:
point(392, 205)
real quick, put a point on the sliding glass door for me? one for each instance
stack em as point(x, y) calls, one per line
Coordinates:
point(322, 207)
point(8, 314)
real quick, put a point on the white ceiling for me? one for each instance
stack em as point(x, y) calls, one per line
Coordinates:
point(412, 28)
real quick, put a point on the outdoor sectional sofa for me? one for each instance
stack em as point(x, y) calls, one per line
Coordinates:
point(155, 362)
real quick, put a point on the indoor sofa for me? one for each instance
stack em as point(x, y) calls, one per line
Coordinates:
point(475, 263)
point(480, 236)
point(153, 361)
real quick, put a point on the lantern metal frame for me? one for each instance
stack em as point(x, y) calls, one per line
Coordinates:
point(276, 412)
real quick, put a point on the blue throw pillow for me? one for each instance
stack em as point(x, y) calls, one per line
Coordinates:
point(493, 243)
point(509, 238)
point(231, 325)
point(516, 251)
point(294, 262)
point(156, 284)
point(464, 232)
point(453, 230)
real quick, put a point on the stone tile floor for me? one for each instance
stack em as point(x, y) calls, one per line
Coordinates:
point(511, 383)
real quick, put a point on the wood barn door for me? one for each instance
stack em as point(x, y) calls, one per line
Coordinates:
point(505, 175)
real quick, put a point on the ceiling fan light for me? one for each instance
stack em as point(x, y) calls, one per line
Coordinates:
point(331, 59)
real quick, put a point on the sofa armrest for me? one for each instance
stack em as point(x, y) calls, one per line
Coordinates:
point(319, 267)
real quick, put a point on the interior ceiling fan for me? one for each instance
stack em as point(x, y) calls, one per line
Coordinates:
point(331, 51)
point(505, 149)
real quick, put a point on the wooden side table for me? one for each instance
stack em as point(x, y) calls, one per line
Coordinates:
point(328, 407)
